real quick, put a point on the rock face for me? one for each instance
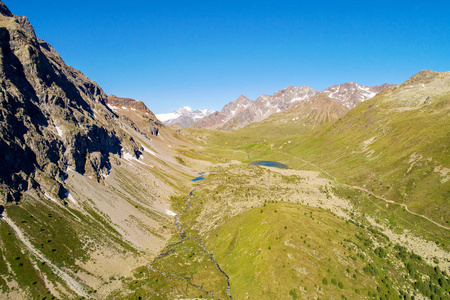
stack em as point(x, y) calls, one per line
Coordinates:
point(266, 105)
point(183, 117)
point(4, 10)
point(135, 114)
point(52, 117)
point(349, 94)
point(229, 111)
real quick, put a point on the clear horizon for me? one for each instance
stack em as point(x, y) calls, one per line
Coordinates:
point(205, 54)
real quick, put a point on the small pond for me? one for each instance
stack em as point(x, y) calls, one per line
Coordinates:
point(198, 178)
point(267, 163)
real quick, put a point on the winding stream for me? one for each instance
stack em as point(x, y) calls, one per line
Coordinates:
point(200, 243)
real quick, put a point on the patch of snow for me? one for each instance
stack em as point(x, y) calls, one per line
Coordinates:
point(207, 112)
point(299, 99)
point(166, 117)
point(170, 213)
point(133, 108)
point(128, 156)
point(53, 199)
point(124, 107)
point(169, 146)
point(59, 130)
point(70, 197)
point(114, 108)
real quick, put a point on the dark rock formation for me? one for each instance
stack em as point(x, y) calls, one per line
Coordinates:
point(52, 116)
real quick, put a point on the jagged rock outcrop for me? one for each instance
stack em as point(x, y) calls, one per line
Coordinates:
point(52, 117)
point(227, 113)
point(136, 114)
point(265, 105)
point(351, 94)
point(4, 10)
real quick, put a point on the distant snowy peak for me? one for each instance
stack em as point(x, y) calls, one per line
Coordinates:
point(184, 110)
point(183, 117)
point(351, 94)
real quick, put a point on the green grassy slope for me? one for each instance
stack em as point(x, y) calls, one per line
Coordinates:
point(273, 247)
point(396, 145)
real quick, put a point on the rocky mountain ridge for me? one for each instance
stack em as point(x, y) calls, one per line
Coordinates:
point(349, 94)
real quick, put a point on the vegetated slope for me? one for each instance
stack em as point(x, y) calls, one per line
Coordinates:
point(84, 190)
point(287, 234)
point(395, 145)
point(262, 138)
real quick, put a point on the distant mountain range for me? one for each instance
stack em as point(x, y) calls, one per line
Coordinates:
point(243, 111)
point(183, 117)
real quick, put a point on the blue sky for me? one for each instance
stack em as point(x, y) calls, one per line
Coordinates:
point(206, 53)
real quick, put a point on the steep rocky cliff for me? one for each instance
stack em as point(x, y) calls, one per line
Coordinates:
point(52, 116)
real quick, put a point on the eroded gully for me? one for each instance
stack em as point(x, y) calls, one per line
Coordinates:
point(200, 243)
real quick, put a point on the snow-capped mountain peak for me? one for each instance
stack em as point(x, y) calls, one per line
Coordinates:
point(184, 116)
point(351, 94)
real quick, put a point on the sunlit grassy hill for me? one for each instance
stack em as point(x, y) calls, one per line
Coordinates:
point(395, 145)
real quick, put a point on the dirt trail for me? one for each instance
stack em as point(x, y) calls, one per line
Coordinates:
point(71, 282)
point(367, 191)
